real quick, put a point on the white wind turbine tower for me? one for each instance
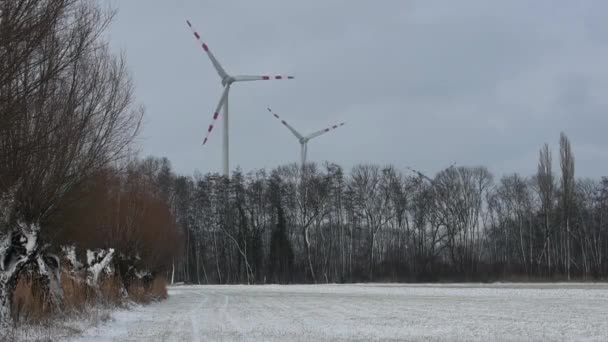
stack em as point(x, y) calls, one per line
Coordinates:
point(227, 81)
point(304, 139)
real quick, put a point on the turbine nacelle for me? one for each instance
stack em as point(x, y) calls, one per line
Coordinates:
point(227, 80)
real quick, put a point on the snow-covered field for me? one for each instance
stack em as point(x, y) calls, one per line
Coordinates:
point(454, 312)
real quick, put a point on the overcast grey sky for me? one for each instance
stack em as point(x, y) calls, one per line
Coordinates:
point(420, 83)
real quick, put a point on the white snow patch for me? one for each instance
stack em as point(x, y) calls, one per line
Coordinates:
point(97, 262)
point(142, 274)
point(70, 254)
point(32, 239)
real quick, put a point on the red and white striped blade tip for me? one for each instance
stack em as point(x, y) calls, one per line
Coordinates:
point(278, 77)
point(197, 36)
point(215, 116)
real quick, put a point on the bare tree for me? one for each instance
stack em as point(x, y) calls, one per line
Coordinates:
point(371, 191)
point(460, 194)
point(567, 183)
point(67, 111)
point(515, 213)
point(546, 190)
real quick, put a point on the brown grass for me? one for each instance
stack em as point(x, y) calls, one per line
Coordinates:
point(30, 305)
point(76, 293)
point(29, 302)
point(156, 290)
point(110, 289)
point(137, 292)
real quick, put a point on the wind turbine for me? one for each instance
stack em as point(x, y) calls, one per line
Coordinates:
point(304, 139)
point(227, 81)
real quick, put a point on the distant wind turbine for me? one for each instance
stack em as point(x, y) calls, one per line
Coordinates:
point(227, 81)
point(422, 175)
point(304, 139)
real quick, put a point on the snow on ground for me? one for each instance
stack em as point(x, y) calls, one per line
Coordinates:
point(60, 329)
point(447, 312)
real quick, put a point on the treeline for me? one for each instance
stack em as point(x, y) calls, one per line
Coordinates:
point(383, 224)
point(73, 209)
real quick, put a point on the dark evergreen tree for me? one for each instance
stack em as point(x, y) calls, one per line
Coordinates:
point(280, 258)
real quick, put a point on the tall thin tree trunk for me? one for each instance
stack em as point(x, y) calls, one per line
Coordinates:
point(308, 257)
point(198, 267)
point(173, 272)
point(217, 262)
point(568, 247)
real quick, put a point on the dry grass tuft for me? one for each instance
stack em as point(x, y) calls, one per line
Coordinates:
point(110, 289)
point(76, 293)
point(29, 302)
point(140, 292)
point(158, 288)
point(137, 292)
point(31, 305)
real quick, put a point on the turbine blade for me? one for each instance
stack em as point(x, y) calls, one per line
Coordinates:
point(323, 131)
point(216, 114)
point(218, 67)
point(242, 78)
point(421, 175)
point(293, 130)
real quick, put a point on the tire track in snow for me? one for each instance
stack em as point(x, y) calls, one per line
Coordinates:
point(196, 330)
point(225, 312)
